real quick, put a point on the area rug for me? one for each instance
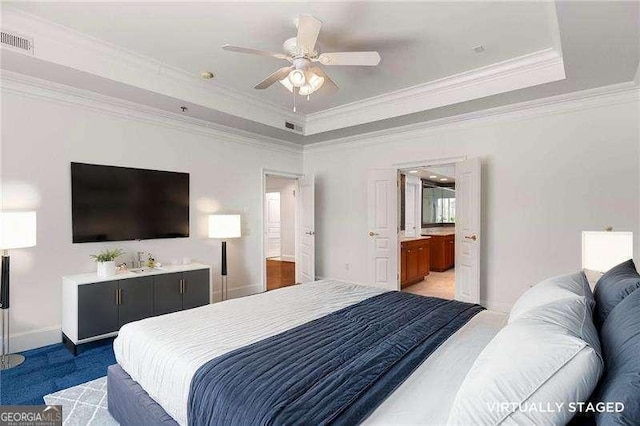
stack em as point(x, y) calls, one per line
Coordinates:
point(85, 404)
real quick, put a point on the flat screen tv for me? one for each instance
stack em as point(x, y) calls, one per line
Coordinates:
point(119, 203)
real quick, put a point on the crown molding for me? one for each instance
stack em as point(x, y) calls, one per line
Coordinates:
point(592, 98)
point(61, 45)
point(525, 71)
point(11, 82)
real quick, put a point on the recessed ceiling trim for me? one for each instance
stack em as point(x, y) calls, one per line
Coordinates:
point(529, 70)
point(11, 82)
point(615, 94)
point(67, 47)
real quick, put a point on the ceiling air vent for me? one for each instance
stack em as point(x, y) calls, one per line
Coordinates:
point(292, 126)
point(16, 41)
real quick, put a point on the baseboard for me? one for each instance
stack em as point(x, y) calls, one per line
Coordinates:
point(35, 339)
point(234, 293)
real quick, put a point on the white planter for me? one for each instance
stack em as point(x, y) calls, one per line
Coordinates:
point(106, 269)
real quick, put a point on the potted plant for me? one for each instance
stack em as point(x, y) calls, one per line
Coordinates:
point(106, 262)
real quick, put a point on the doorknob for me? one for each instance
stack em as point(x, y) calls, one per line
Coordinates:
point(471, 237)
point(310, 233)
point(373, 234)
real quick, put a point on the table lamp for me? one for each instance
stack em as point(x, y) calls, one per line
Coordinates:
point(223, 227)
point(602, 251)
point(17, 230)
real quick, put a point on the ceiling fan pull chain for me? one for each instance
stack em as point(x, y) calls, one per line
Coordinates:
point(294, 99)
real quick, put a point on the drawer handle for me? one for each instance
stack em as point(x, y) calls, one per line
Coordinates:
point(420, 248)
point(117, 298)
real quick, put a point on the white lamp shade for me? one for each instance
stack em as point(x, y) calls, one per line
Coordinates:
point(17, 230)
point(224, 226)
point(602, 251)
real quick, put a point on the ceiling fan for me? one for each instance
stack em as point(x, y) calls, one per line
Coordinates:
point(303, 76)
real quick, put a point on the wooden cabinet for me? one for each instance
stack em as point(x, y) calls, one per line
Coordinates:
point(414, 261)
point(185, 290)
point(97, 309)
point(443, 252)
point(104, 307)
point(135, 299)
point(94, 308)
point(167, 293)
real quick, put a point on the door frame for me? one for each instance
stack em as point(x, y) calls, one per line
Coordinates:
point(418, 164)
point(263, 191)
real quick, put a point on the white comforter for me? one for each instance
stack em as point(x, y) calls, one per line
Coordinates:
point(163, 353)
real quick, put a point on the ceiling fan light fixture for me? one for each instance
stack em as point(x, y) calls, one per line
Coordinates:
point(314, 82)
point(287, 84)
point(297, 78)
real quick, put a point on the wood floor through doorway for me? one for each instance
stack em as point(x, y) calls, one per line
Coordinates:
point(280, 274)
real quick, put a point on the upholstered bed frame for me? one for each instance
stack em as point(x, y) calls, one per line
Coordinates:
point(129, 404)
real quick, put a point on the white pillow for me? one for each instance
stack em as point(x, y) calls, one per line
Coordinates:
point(571, 286)
point(539, 360)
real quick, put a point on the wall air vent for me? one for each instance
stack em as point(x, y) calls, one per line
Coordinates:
point(292, 126)
point(16, 41)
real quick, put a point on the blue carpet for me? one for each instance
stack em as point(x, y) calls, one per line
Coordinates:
point(53, 368)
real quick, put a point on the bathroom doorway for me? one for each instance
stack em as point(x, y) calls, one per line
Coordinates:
point(427, 235)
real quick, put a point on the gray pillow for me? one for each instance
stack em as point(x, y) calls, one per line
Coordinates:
point(620, 340)
point(618, 283)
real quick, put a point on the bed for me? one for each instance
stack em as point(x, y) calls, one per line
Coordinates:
point(159, 357)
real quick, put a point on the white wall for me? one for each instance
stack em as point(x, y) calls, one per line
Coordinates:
point(39, 140)
point(286, 188)
point(545, 179)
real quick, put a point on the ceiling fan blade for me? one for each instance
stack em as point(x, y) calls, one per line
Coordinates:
point(308, 30)
point(251, 51)
point(276, 76)
point(369, 59)
point(329, 84)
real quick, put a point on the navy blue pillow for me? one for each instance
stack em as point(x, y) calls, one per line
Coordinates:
point(620, 339)
point(612, 287)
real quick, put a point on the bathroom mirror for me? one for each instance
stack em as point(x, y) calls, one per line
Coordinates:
point(438, 205)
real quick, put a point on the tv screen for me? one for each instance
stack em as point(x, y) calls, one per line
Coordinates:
point(119, 203)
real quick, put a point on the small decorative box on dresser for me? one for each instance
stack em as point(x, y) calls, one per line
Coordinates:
point(415, 260)
point(94, 308)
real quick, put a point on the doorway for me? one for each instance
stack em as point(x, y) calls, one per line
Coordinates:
point(386, 264)
point(427, 230)
point(288, 224)
point(280, 228)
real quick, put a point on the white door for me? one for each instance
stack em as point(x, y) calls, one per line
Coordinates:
point(273, 226)
point(306, 234)
point(382, 235)
point(468, 238)
point(412, 206)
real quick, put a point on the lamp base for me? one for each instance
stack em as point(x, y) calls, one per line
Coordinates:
point(10, 360)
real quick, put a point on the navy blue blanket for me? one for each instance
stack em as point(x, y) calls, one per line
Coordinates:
point(333, 370)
